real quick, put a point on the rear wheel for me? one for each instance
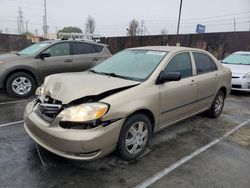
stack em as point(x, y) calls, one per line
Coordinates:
point(134, 136)
point(20, 84)
point(217, 105)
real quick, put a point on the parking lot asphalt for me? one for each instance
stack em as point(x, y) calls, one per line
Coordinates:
point(225, 164)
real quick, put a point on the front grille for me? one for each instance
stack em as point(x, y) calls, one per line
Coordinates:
point(48, 108)
point(236, 86)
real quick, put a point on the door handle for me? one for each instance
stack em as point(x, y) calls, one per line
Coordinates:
point(193, 83)
point(68, 60)
point(96, 59)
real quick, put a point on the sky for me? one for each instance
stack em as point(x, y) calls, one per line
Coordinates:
point(113, 16)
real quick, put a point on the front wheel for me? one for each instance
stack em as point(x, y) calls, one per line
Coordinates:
point(20, 84)
point(217, 105)
point(134, 136)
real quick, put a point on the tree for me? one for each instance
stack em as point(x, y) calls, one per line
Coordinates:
point(90, 25)
point(70, 29)
point(134, 28)
point(27, 33)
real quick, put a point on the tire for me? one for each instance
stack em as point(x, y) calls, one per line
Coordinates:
point(138, 141)
point(20, 85)
point(217, 105)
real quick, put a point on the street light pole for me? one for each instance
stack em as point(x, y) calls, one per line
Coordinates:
point(45, 19)
point(179, 18)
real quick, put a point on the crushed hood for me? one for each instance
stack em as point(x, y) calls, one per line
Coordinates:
point(69, 87)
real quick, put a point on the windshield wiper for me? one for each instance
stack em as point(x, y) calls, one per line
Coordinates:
point(91, 70)
point(118, 76)
point(104, 73)
point(114, 75)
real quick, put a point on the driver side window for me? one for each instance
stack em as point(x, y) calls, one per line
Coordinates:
point(180, 63)
point(60, 49)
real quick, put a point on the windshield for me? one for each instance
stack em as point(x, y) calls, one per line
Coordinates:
point(33, 48)
point(131, 64)
point(239, 59)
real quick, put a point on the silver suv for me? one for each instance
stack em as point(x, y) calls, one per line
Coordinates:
point(21, 73)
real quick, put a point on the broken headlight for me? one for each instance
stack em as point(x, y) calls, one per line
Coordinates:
point(247, 75)
point(84, 112)
point(40, 91)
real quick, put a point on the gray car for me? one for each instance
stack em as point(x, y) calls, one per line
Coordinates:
point(22, 73)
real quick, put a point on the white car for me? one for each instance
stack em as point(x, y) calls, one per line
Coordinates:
point(239, 63)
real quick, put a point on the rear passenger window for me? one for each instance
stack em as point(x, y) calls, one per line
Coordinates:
point(180, 63)
point(203, 63)
point(83, 48)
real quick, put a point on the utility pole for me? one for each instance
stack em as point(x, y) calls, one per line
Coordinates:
point(45, 20)
point(179, 18)
point(18, 25)
point(26, 27)
point(140, 39)
point(20, 20)
point(142, 27)
point(234, 25)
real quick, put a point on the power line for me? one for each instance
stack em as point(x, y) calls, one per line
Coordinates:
point(204, 18)
point(190, 22)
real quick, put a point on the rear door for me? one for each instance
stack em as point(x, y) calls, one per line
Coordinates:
point(86, 55)
point(59, 61)
point(207, 76)
point(177, 98)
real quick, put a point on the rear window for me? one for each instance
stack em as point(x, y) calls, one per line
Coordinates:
point(84, 48)
point(204, 63)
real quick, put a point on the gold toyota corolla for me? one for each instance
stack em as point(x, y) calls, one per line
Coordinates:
point(121, 102)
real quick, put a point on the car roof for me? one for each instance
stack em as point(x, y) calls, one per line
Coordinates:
point(84, 41)
point(166, 48)
point(242, 52)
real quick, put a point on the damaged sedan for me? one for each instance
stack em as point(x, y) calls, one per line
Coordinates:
point(122, 101)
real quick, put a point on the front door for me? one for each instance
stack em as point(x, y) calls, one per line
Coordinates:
point(177, 98)
point(59, 61)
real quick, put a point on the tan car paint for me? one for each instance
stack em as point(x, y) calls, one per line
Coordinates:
point(167, 103)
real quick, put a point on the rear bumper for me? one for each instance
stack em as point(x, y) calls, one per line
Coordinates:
point(73, 144)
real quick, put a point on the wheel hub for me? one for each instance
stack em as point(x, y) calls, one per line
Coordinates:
point(21, 85)
point(136, 137)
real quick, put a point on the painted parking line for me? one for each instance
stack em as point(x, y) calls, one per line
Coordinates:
point(11, 102)
point(172, 167)
point(11, 123)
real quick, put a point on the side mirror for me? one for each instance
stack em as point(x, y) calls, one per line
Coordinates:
point(43, 55)
point(168, 77)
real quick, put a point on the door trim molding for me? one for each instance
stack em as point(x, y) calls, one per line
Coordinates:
point(187, 104)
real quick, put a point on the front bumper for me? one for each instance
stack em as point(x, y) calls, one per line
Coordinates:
point(241, 84)
point(69, 143)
